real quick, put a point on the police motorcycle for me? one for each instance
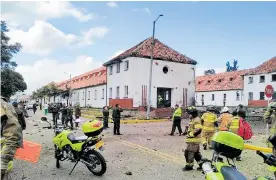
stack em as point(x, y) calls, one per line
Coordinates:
point(83, 149)
point(229, 145)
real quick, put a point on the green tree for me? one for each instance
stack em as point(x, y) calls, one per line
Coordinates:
point(11, 81)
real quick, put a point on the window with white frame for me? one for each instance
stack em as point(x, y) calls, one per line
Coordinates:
point(273, 77)
point(213, 97)
point(262, 96)
point(110, 93)
point(262, 79)
point(118, 92)
point(126, 65)
point(237, 95)
point(126, 91)
point(88, 97)
point(250, 80)
point(82, 95)
point(110, 69)
point(95, 96)
point(118, 68)
point(102, 93)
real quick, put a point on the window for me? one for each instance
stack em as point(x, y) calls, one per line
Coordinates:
point(126, 91)
point(237, 95)
point(118, 68)
point(78, 98)
point(262, 79)
point(250, 80)
point(250, 96)
point(126, 65)
point(224, 96)
point(82, 95)
point(95, 97)
point(213, 97)
point(88, 95)
point(262, 96)
point(110, 70)
point(110, 93)
point(165, 69)
point(118, 92)
point(273, 77)
point(102, 93)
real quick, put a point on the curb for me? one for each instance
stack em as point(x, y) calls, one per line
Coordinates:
point(130, 121)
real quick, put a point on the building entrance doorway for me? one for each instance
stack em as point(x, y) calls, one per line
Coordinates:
point(164, 97)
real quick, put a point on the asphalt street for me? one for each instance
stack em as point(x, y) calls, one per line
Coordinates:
point(144, 149)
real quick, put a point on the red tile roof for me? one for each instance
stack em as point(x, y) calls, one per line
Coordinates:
point(221, 81)
point(267, 67)
point(161, 52)
point(91, 78)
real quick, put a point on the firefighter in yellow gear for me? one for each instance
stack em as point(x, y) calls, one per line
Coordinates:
point(209, 122)
point(176, 120)
point(270, 118)
point(193, 140)
point(224, 119)
point(11, 137)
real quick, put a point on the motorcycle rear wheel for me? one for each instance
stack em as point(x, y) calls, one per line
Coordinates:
point(98, 159)
point(56, 156)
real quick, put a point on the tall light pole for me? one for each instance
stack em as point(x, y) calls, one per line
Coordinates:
point(70, 87)
point(151, 61)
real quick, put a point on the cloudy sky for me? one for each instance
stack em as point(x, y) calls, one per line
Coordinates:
point(76, 37)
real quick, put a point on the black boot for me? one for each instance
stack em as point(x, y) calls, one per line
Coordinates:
point(187, 168)
point(205, 146)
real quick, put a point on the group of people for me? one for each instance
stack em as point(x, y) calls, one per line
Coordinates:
point(201, 129)
point(116, 116)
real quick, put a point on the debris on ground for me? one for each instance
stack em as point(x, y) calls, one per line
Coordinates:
point(128, 173)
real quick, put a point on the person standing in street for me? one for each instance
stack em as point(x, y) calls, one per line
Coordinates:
point(77, 111)
point(176, 120)
point(40, 105)
point(105, 117)
point(224, 119)
point(116, 114)
point(55, 113)
point(11, 138)
point(69, 116)
point(20, 115)
point(63, 114)
point(46, 109)
point(209, 122)
point(34, 107)
point(193, 140)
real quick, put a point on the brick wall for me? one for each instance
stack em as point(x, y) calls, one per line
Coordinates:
point(257, 103)
point(124, 103)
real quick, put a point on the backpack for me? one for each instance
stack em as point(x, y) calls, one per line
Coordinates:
point(245, 130)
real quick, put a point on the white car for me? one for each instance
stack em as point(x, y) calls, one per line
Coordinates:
point(29, 106)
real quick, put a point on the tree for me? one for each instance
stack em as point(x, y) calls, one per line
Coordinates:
point(230, 68)
point(11, 81)
point(7, 49)
point(209, 71)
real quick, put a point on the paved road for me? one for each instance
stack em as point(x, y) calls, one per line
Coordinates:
point(144, 149)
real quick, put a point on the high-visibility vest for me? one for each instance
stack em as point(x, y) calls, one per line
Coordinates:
point(235, 124)
point(209, 120)
point(194, 125)
point(225, 119)
point(177, 113)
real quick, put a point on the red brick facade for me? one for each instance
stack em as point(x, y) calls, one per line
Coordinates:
point(257, 103)
point(124, 103)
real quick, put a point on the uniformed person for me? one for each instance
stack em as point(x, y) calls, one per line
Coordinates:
point(270, 118)
point(105, 116)
point(69, 116)
point(209, 122)
point(11, 138)
point(176, 120)
point(116, 115)
point(63, 114)
point(55, 114)
point(224, 119)
point(193, 140)
point(20, 115)
point(160, 101)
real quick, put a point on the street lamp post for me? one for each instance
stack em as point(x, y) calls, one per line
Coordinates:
point(70, 87)
point(151, 61)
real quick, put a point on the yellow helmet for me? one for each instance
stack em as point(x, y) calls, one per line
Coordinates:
point(92, 128)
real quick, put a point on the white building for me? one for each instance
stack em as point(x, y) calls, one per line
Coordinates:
point(256, 80)
point(240, 87)
point(127, 78)
point(222, 89)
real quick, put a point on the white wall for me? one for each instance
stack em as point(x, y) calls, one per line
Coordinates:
point(231, 98)
point(256, 87)
point(177, 78)
point(97, 99)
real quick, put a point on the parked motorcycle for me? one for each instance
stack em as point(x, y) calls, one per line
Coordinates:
point(229, 145)
point(80, 149)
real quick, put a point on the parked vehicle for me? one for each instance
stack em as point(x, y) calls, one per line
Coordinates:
point(83, 149)
point(29, 106)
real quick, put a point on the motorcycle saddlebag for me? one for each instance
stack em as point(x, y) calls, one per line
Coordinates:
point(227, 144)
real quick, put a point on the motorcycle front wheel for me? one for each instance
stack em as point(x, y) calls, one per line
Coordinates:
point(96, 160)
point(56, 156)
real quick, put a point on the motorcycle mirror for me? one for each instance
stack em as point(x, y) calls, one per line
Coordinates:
point(43, 119)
